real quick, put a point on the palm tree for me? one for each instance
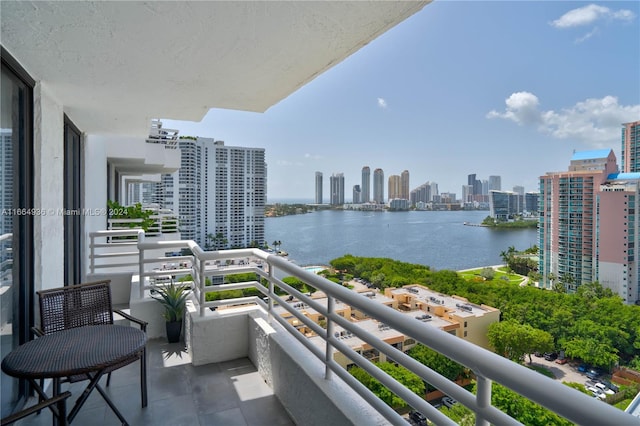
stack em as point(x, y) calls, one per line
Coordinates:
point(216, 242)
point(220, 241)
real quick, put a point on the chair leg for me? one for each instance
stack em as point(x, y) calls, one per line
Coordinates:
point(108, 378)
point(143, 377)
point(40, 398)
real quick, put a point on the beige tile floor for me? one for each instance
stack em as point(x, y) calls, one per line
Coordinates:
point(226, 394)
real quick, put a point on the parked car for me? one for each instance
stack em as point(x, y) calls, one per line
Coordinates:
point(610, 385)
point(418, 418)
point(550, 356)
point(448, 402)
point(593, 373)
point(598, 393)
point(538, 354)
point(583, 368)
point(604, 388)
point(561, 361)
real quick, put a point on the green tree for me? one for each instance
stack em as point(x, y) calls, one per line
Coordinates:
point(488, 273)
point(408, 379)
point(345, 263)
point(216, 242)
point(436, 361)
point(568, 281)
point(592, 351)
point(116, 211)
point(524, 410)
point(513, 340)
point(460, 414)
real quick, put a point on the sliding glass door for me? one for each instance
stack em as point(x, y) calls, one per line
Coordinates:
point(16, 219)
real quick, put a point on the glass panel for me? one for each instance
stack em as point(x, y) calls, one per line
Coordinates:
point(72, 202)
point(7, 94)
point(15, 226)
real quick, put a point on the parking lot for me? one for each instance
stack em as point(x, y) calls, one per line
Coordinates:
point(563, 372)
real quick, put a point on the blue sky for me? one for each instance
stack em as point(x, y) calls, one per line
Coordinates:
point(491, 88)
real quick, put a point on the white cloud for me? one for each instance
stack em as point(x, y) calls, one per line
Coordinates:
point(522, 107)
point(287, 163)
point(587, 15)
point(594, 121)
point(382, 103)
point(588, 35)
point(313, 156)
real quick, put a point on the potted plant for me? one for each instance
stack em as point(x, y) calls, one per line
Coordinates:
point(174, 299)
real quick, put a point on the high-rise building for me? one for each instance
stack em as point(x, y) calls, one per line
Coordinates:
point(504, 205)
point(318, 187)
point(366, 185)
point(394, 187)
point(467, 193)
point(569, 228)
point(618, 231)
point(518, 189)
point(631, 147)
point(378, 186)
point(404, 185)
point(222, 190)
point(485, 187)
point(495, 183)
point(421, 194)
point(531, 202)
point(336, 182)
point(357, 194)
point(475, 184)
point(434, 191)
point(6, 204)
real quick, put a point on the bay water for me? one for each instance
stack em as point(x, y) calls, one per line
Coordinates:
point(438, 239)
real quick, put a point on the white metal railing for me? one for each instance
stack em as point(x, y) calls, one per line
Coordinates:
point(163, 223)
point(487, 366)
point(114, 249)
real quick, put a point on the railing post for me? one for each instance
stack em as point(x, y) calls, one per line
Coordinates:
point(328, 355)
point(202, 284)
point(271, 292)
point(141, 264)
point(483, 398)
point(93, 254)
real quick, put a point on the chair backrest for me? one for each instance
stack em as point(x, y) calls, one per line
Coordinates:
point(75, 306)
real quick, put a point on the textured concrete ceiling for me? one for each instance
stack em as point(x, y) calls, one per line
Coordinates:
point(115, 65)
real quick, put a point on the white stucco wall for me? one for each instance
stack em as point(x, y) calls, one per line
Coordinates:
point(48, 189)
point(95, 189)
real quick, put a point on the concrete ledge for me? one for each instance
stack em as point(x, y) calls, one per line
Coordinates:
point(297, 379)
point(294, 374)
point(147, 309)
point(220, 335)
point(120, 285)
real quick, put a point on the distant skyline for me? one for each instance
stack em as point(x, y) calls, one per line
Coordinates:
point(488, 88)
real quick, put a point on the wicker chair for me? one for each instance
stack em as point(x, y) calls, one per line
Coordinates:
point(84, 305)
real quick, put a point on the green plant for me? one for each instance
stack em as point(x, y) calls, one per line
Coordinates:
point(174, 299)
point(116, 211)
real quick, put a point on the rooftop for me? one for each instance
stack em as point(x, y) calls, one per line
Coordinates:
point(590, 155)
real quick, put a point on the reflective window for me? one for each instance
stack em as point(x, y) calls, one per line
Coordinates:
point(16, 238)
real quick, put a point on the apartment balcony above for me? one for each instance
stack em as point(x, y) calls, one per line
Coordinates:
point(136, 156)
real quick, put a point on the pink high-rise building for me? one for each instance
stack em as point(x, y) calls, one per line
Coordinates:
point(588, 226)
point(631, 147)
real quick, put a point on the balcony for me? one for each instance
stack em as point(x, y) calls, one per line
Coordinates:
point(311, 386)
point(226, 393)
